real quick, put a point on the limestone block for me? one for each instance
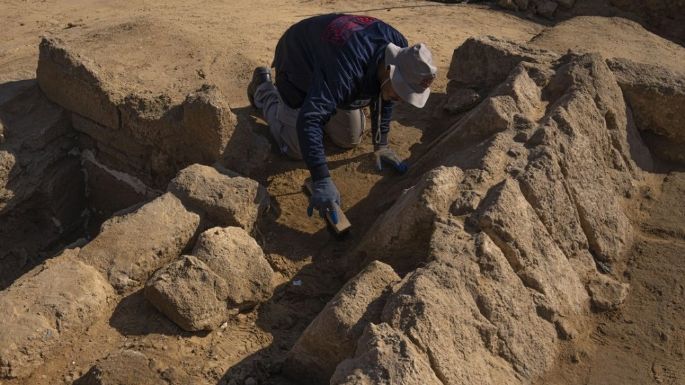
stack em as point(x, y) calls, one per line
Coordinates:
point(190, 294)
point(332, 335)
point(76, 83)
point(228, 200)
point(385, 356)
point(237, 258)
point(514, 226)
point(403, 242)
point(607, 293)
point(485, 61)
point(131, 247)
point(45, 308)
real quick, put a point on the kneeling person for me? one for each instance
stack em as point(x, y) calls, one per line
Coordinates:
point(327, 69)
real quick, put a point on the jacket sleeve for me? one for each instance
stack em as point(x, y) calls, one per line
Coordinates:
point(386, 116)
point(317, 109)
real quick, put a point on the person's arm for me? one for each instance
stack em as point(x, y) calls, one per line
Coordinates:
point(317, 109)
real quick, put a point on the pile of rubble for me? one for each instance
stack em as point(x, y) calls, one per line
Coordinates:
point(227, 271)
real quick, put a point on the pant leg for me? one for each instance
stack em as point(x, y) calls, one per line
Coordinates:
point(346, 127)
point(280, 118)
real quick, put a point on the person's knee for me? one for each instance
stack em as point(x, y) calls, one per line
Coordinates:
point(346, 128)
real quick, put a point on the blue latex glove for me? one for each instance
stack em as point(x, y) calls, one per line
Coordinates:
point(385, 155)
point(324, 195)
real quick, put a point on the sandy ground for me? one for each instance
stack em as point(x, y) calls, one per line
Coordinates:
point(174, 46)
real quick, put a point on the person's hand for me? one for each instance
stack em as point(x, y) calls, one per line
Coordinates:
point(324, 198)
point(385, 155)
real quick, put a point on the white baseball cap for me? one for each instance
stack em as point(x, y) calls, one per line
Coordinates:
point(411, 72)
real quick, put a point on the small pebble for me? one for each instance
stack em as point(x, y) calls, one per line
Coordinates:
point(250, 381)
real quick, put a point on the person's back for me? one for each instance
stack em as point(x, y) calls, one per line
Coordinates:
point(337, 47)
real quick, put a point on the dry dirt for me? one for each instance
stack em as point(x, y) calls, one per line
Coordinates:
point(174, 46)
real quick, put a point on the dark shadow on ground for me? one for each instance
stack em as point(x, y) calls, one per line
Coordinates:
point(42, 192)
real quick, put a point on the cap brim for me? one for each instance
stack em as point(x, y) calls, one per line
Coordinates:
point(416, 99)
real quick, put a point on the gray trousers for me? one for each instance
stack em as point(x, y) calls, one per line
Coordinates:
point(345, 128)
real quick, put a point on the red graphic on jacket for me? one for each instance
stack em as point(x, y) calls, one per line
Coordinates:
point(340, 29)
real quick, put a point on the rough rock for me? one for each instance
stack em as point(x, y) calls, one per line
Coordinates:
point(132, 246)
point(600, 146)
point(160, 134)
point(472, 315)
point(237, 258)
point(540, 170)
point(228, 200)
point(332, 335)
point(514, 226)
point(385, 356)
point(485, 61)
point(46, 307)
point(656, 96)
point(461, 99)
point(607, 293)
point(124, 367)
point(77, 83)
point(403, 243)
point(189, 293)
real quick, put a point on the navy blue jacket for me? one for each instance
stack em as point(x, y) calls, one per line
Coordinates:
point(331, 61)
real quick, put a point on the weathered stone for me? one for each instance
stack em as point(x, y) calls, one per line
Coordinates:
point(190, 294)
point(471, 313)
point(589, 154)
point(403, 243)
point(124, 367)
point(461, 99)
point(512, 223)
point(76, 83)
point(42, 310)
point(607, 293)
point(237, 258)
point(332, 335)
point(544, 186)
point(152, 133)
point(507, 265)
point(228, 200)
point(132, 246)
point(385, 356)
point(485, 61)
point(208, 123)
point(656, 97)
